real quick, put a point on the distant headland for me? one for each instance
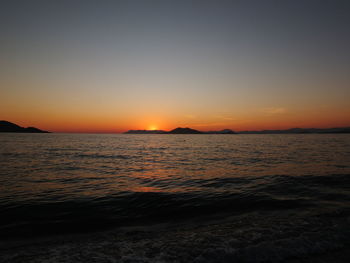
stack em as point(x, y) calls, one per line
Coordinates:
point(6, 126)
point(300, 131)
point(228, 131)
point(180, 130)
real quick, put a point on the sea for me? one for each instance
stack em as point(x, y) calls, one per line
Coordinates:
point(174, 198)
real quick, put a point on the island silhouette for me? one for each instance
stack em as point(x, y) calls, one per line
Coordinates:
point(180, 130)
point(187, 130)
point(6, 126)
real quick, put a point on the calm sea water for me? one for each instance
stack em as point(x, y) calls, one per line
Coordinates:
point(294, 188)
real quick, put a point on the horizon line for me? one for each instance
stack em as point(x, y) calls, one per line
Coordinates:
point(238, 131)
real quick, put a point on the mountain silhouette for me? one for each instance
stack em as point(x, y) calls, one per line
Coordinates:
point(145, 132)
point(6, 126)
point(225, 131)
point(180, 130)
point(300, 131)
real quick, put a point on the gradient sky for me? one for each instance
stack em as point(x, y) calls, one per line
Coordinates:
point(110, 66)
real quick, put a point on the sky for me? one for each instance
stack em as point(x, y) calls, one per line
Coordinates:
point(111, 66)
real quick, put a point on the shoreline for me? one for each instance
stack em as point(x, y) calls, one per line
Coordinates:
point(253, 237)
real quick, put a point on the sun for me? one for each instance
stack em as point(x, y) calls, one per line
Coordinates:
point(152, 127)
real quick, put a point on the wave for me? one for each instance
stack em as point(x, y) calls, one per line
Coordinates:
point(254, 237)
point(103, 156)
point(231, 196)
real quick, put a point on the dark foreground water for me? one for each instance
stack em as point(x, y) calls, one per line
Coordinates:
point(174, 198)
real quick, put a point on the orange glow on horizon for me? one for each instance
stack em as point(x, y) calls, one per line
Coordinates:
point(152, 127)
point(113, 122)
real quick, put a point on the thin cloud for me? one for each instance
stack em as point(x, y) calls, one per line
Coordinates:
point(209, 124)
point(274, 110)
point(190, 116)
point(226, 118)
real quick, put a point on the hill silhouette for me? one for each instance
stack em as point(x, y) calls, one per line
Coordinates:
point(6, 126)
point(145, 132)
point(300, 131)
point(186, 130)
point(180, 130)
point(225, 131)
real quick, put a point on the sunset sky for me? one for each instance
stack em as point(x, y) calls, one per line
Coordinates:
point(110, 66)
